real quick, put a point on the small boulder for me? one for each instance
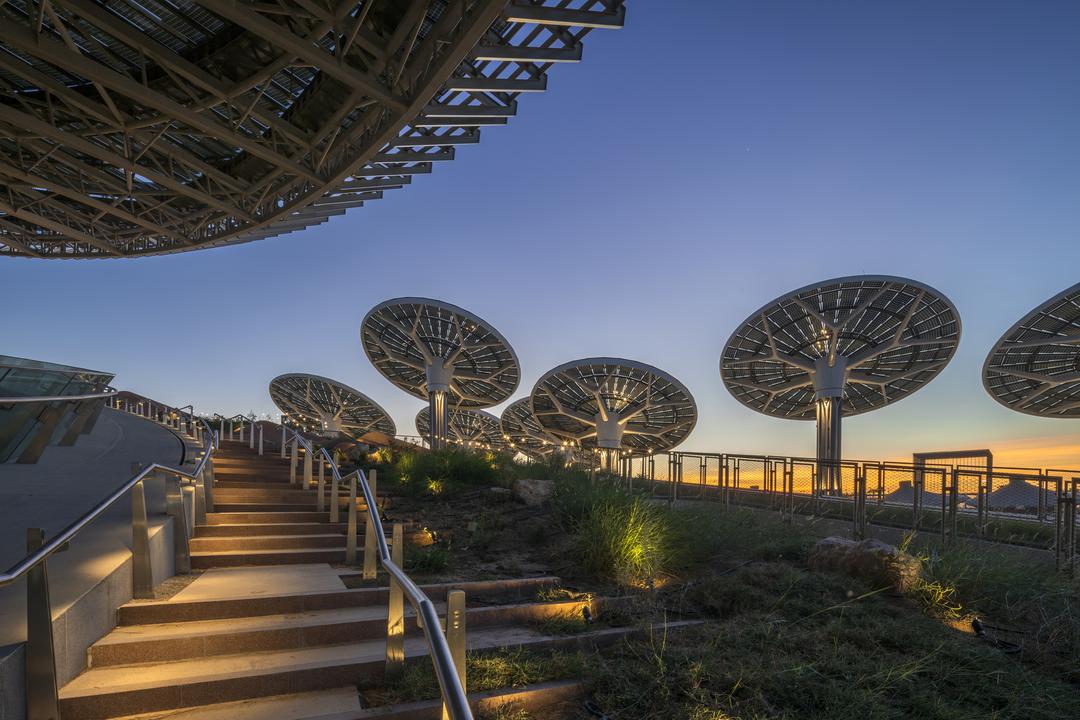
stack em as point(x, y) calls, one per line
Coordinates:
point(879, 563)
point(533, 492)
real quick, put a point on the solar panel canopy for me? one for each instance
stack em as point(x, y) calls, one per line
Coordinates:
point(614, 404)
point(523, 432)
point(471, 428)
point(1035, 367)
point(443, 353)
point(329, 406)
point(143, 127)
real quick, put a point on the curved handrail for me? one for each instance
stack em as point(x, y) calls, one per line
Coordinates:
point(58, 542)
point(107, 392)
point(453, 694)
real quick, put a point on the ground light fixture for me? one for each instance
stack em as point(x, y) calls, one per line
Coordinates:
point(466, 428)
point(329, 407)
point(441, 353)
point(1034, 368)
point(614, 407)
point(840, 347)
point(523, 432)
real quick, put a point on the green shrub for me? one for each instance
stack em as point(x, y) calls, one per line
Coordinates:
point(628, 540)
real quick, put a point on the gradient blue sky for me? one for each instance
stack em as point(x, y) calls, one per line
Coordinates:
point(705, 159)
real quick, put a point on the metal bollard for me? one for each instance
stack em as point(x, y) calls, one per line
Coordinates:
point(395, 618)
point(370, 544)
point(350, 535)
point(174, 506)
point(455, 636)
point(41, 697)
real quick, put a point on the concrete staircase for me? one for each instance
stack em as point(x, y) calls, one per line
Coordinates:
point(271, 630)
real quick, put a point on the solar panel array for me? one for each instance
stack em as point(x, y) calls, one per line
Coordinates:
point(320, 402)
point(895, 335)
point(475, 428)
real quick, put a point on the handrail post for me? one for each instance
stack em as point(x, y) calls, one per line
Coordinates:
point(395, 617)
point(42, 702)
point(350, 535)
point(283, 438)
point(335, 501)
point(174, 506)
point(200, 498)
point(260, 440)
point(307, 468)
point(208, 485)
point(322, 482)
point(370, 544)
point(142, 576)
point(455, 636)
point(292, 463)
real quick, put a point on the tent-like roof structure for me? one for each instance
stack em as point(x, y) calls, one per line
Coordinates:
point(472, 428)
point(1035, 367)
point(143, 127)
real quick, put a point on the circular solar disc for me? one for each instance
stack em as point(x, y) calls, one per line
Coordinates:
point(466, 427)
point(586, 402)
point(1035, 367)
point(404, 337)
point(330, 405)
point(523, 432)
point(888, 335)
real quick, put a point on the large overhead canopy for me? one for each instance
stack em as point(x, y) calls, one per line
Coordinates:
point(840, 347)
point(523, 432)
point(442, 353)
point(147, 127)
point(1035, 367)
point(330, 407)
point(471, 428)
point(614, 404)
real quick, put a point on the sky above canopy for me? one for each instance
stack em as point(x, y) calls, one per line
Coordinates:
point(698, 163)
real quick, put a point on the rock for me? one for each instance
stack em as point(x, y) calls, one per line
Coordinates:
point(533, 492)
point(879, 563)
point(499, 491)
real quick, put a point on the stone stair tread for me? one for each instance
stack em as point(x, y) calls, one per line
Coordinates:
point(284, 551)
point(343, 702)
point(125, 678)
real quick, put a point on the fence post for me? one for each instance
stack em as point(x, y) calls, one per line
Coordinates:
point(174, 506)
point(142, 576)
point(350, 535)
point(370, 542)
point(859, 516)
point(41, 697)
point(395, 619)
point(455, 635)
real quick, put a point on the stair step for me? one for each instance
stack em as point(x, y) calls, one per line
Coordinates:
point(207, 638)
point(142, 612)
point(115, 690)
point(334, 704)
point(250, 529)
point(237, 558)
point(266, 542)
point(235, 518)
point(249, 507)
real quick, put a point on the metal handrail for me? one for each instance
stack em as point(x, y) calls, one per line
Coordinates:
point(60, 541)
point(453, 694)
point(107, 392)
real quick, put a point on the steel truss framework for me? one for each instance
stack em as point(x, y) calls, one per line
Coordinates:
point(472, 428)
point(1035, 367)
point(614, 404)
point(159, 126)
point(329, 405)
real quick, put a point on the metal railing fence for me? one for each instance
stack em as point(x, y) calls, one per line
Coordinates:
point(1028, 506)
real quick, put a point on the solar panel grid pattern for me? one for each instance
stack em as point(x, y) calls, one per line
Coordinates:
point(396, 335)
point(466, 426)
point(896, 335)
point(1035, 367)
point(568, 399)
point(314, 398)
point(523, 431)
